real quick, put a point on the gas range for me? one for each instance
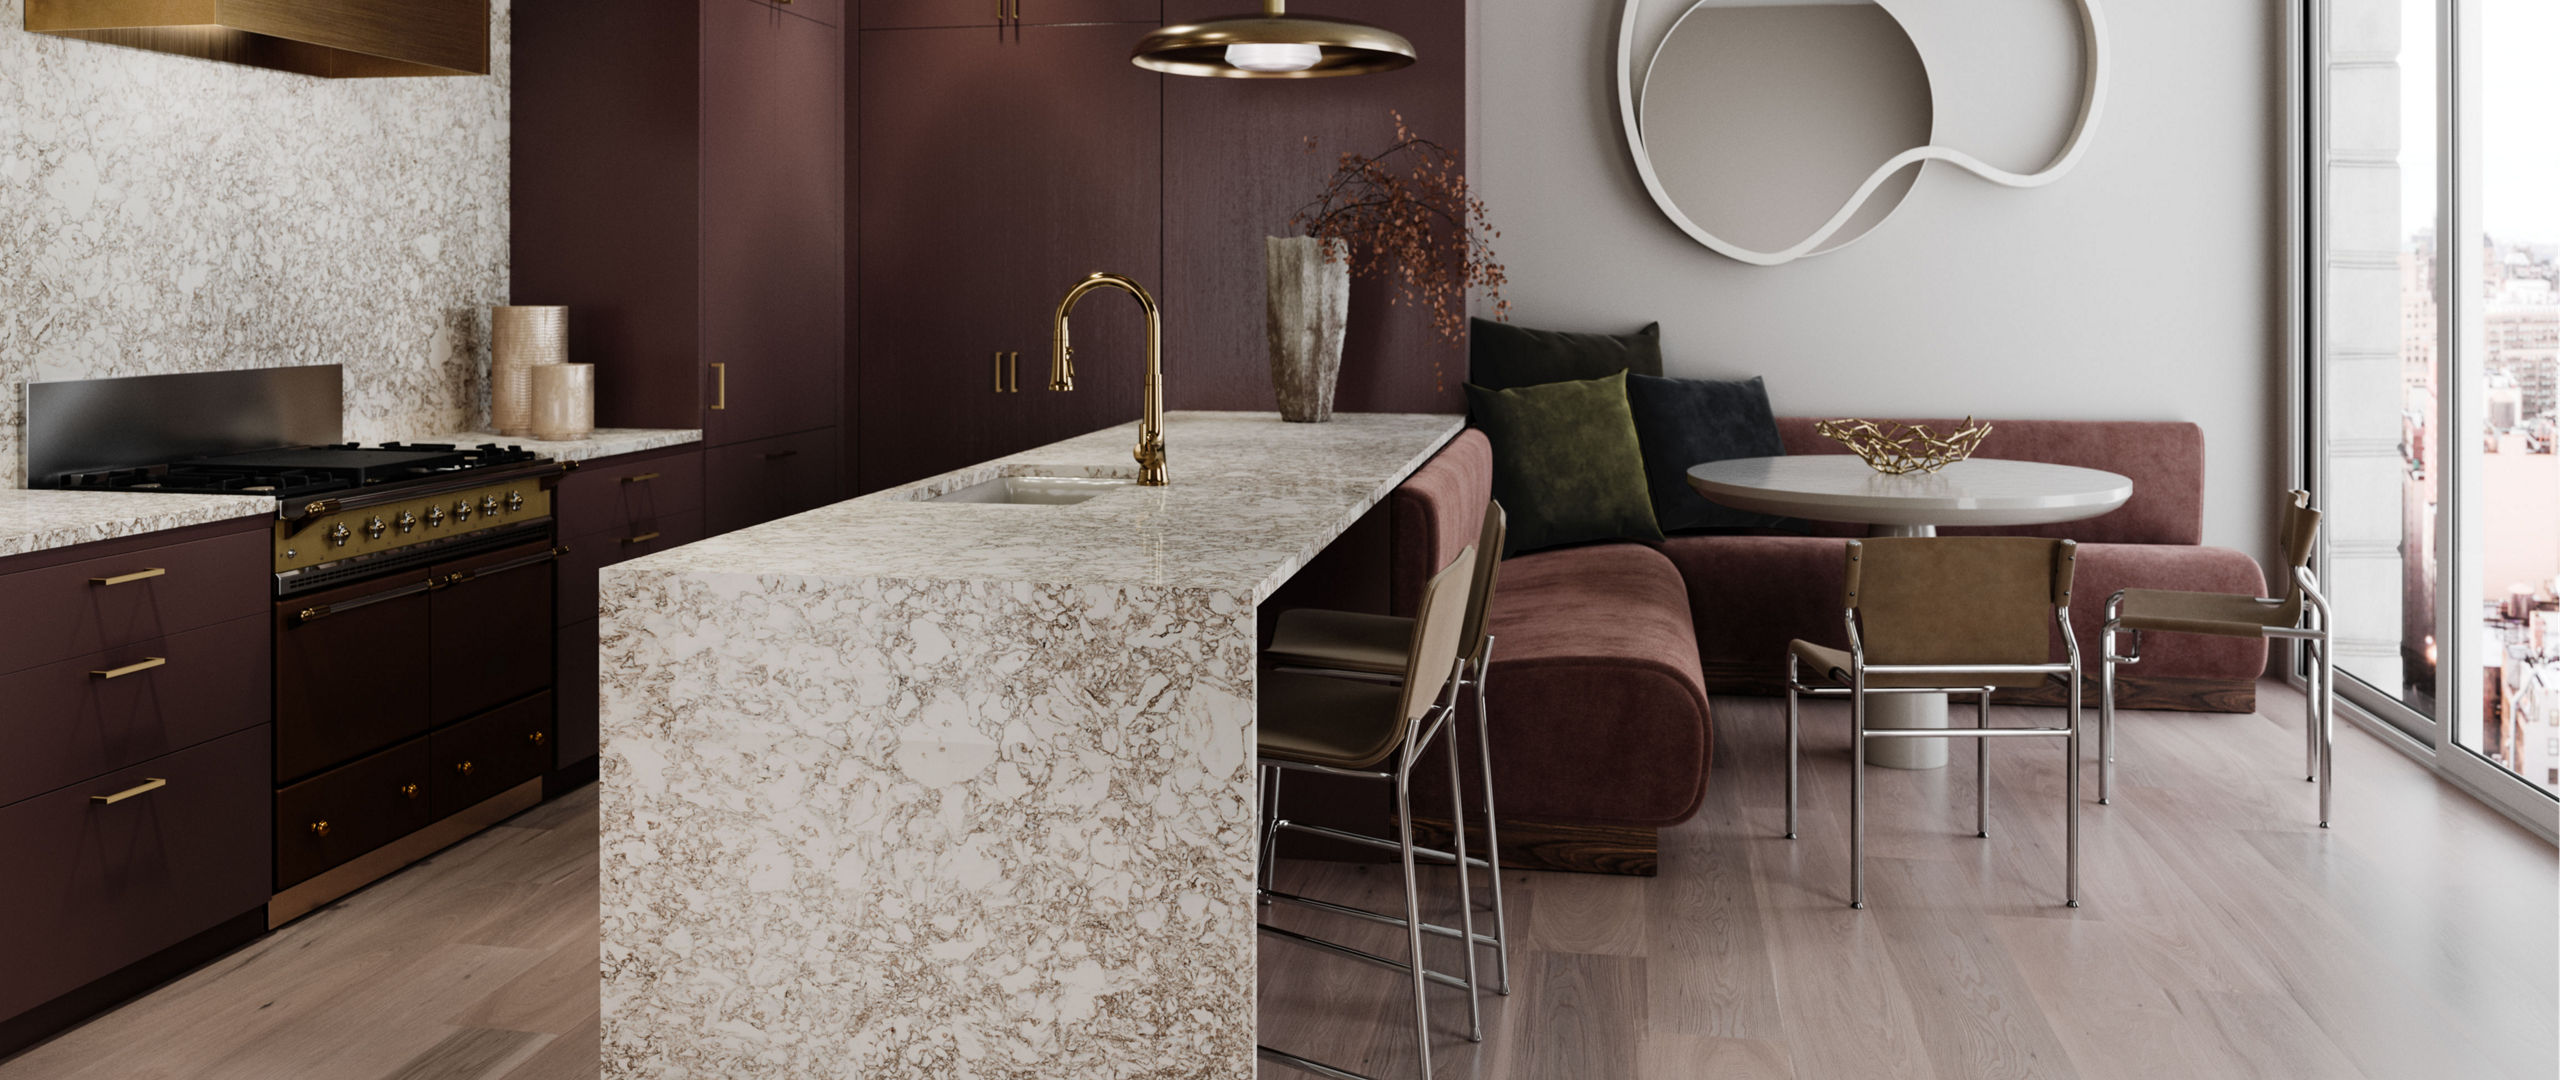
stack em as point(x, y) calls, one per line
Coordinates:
point(347, 511)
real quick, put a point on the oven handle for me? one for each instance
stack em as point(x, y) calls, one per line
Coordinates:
point(317, 612)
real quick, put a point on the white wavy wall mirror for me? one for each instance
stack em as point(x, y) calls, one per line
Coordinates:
point(1770, 130)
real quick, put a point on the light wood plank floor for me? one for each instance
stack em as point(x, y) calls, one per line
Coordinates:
point(2223, 936)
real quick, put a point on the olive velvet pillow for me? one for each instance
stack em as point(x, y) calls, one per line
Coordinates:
point(1685, 422)
point(1501, 356)
point(1566, 463)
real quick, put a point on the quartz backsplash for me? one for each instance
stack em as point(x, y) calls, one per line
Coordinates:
point(162, 214)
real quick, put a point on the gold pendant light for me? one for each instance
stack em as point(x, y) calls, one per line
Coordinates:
point(1273, 45)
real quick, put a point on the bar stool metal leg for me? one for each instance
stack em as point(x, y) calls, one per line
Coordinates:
point(1492, 825)
point(1792, 721)
point(1272, 824)
point(1466, 896)
point(1413, 909)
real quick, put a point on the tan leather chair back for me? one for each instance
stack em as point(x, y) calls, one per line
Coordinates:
point(1436, 636)
point(2298, 530)
point(1488, 570)
point(1959, 599)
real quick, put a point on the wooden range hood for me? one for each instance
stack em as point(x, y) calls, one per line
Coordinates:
point(335, 39)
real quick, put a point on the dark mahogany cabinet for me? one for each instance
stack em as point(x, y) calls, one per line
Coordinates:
point(679, 183)
point(612, 510)
point(135, 766)
point(996, 172)
point(991, 14)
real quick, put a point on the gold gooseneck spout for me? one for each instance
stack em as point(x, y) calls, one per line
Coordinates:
point(1062, 369)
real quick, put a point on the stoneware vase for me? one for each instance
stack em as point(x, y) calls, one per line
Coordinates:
point(1308, 285)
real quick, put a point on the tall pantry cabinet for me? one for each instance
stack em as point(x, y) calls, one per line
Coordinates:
point(679, 184)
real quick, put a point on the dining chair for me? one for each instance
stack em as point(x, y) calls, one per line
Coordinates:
point(1946, 615)
point(2301, 614)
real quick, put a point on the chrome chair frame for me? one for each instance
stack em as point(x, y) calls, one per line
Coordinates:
point(1472, 672)
point(1434, 724)
point(1982, 734)
point(2320, 703)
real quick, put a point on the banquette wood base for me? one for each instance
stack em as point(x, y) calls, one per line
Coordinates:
point(1623, 850)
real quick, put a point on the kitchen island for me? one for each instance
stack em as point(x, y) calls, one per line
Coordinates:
point(913, 788)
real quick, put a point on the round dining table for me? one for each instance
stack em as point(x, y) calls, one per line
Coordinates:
point(1974, 492)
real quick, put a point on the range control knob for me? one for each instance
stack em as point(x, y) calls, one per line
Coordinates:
point(489, 506)
point(435, 517)
point(461, 511)
point(374, 527)
point(515, 501)
point(407, 522)
point(338, 534)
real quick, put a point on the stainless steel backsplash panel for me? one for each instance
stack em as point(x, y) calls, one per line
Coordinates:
point(89, 424)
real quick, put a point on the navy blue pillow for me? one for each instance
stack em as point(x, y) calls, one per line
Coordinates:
point(1685, 422)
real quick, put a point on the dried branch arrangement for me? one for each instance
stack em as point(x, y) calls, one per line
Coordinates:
point(1406, 212)
point(1894, 450)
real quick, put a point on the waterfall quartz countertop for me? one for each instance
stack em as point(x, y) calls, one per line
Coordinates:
point(896, 789)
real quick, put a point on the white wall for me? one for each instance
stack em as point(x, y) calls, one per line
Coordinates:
point(2148, 284)
point(160, 214)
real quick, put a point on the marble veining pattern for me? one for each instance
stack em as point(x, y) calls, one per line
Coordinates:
point(43, 520)
point(166, 214)
point(601, 443)
point(990, 819)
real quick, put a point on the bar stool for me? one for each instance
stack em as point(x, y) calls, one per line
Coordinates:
point(1353, 727)
point(1947, 615)
point(1351, 644)
point(2302, 614)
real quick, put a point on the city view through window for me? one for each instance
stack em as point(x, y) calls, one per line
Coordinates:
point(2512, 460)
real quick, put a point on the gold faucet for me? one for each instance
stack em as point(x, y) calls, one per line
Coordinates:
point(1062, 369)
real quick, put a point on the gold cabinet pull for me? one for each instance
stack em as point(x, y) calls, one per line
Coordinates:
point(409, 791)
point(640, 539)
point(144, 788)
point(144, 664)
point(1013, 372)
point(127, 579)
point(720, 392)
point(640, 479)
point(999, 369)
point(320, 828)
point(463, 768)
point(534, 737)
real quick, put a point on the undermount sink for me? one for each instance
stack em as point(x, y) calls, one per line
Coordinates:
point(1035, 490)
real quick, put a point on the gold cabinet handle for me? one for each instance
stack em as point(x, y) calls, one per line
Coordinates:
point(640, 539)
point(640, 479)
point(999, 365)
point(320, 828)
point(409, 791)
point(126, 579)
point(534, 737)
point(463, 768)
point(144, 788)
point(144, 664)
point(1013, 372)
point(720, 393)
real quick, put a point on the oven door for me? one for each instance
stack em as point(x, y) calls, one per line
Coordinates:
point(368, 665)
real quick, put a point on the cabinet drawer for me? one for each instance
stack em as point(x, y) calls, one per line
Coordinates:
point(350, 810)
point(91, 886)
point(594, 552)
point(889, 14)
point(631, 494)
point(485, 755)
point(759, 481)
point(93, 605)
point(78, 718)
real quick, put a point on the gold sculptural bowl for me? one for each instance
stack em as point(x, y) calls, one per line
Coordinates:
point(1895, 450)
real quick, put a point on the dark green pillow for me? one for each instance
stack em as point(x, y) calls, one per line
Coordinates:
point(1501, 356)
point(1566, 463)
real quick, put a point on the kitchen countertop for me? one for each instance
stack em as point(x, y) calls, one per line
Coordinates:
point(897, 789)
point(603, 443)
point(41, 520)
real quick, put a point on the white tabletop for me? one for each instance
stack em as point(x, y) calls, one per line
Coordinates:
point(1979, 491)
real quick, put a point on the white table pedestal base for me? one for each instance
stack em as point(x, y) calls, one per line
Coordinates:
point(1907, 711)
